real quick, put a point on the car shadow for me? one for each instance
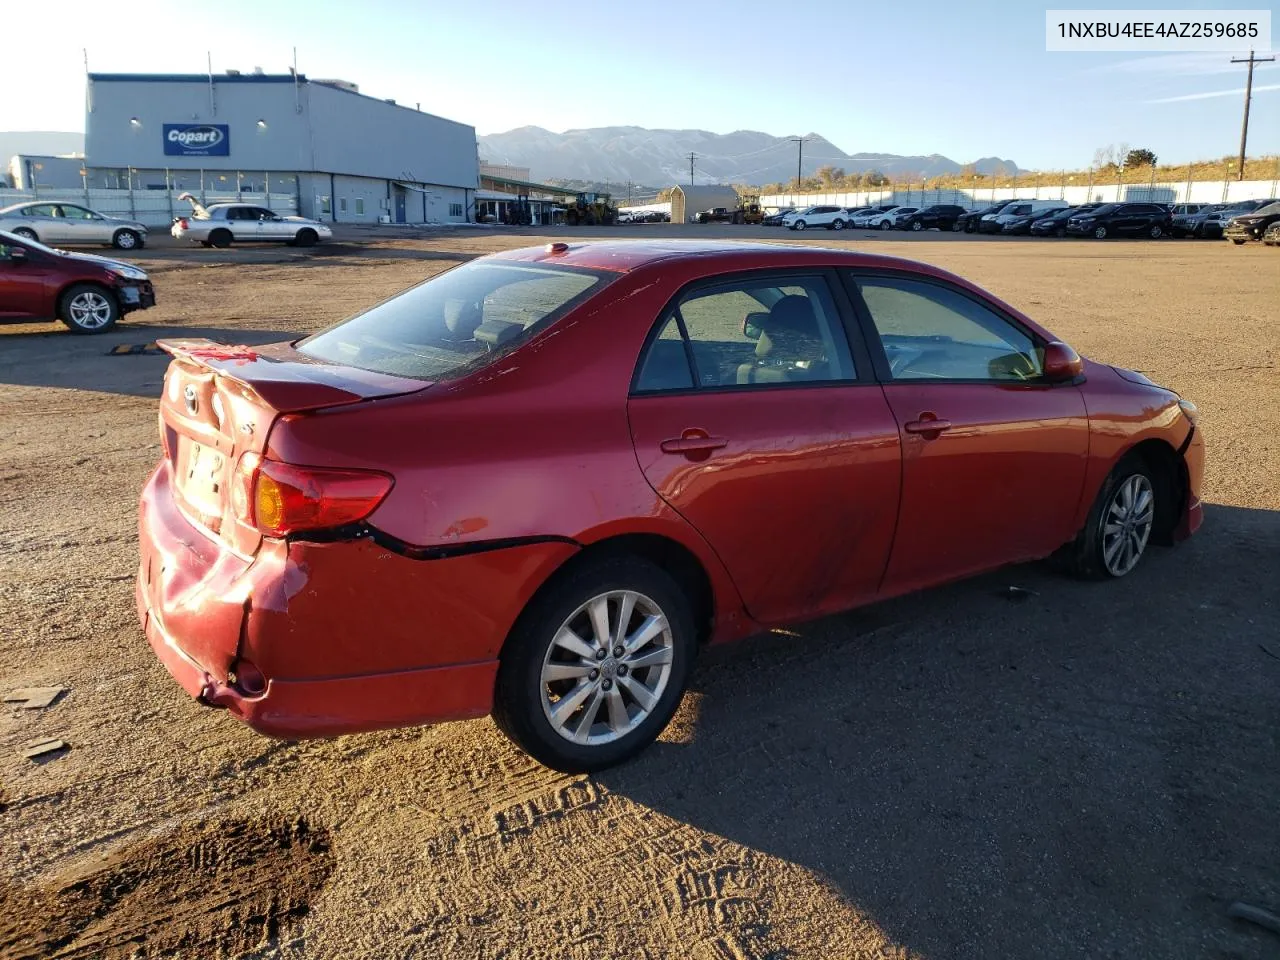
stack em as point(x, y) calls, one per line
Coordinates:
point(1067, 769)
point(52, 356)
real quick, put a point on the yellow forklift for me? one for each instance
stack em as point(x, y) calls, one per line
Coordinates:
point(590, 210)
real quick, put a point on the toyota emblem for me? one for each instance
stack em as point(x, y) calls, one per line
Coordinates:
point(189, 395)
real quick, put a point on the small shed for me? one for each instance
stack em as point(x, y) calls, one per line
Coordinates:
point(687, 201)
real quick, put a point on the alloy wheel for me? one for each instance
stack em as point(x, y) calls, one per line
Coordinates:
point(606, 667)
point(1126, 524)
point(89, 310)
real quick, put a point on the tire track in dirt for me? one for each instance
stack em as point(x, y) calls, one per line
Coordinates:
point(219, 888)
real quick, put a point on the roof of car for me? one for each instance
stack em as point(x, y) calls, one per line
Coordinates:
point(623, 256)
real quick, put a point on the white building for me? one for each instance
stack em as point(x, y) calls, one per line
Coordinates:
point(347, 157)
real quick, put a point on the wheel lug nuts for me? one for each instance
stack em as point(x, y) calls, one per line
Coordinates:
point(601, 653)
point(622, 669)
point(618, 650)
point(608, 684)
point(594, 675)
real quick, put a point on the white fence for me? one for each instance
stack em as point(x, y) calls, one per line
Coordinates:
point(155, 208)
point(1215, 191)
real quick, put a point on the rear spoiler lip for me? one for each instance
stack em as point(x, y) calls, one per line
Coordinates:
point(284, 379)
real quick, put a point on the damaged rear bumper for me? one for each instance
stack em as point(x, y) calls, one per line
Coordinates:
point(341, 636)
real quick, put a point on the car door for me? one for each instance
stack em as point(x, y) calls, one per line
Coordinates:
point(26, 285)
point(272, 227)
point(993, 456)
point(80, 226)
point(244, 224)
point(44, 221)
point(753, 420)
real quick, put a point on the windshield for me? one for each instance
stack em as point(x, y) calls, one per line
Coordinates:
point(1269, 210)
point(457, 321)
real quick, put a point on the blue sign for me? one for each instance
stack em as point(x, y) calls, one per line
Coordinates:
point(197, 140)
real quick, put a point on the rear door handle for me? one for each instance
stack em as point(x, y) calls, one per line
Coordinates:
point(693, 444)
point(926, 425)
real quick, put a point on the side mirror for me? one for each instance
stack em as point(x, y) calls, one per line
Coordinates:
point(1061, 363)
point(752, 325)
point(18, 255)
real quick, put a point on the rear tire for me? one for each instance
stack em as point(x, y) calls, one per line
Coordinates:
point(126, 240)
point(26, 233)
point(88, 308)
point(605, 699)
point(306, 237)
point(1155, 232)
point(1121, 522)
point(220, 238)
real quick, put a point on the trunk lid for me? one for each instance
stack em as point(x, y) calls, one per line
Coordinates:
point(220, 402)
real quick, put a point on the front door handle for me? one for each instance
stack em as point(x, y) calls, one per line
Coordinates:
point(926, 424)
point(694, 444)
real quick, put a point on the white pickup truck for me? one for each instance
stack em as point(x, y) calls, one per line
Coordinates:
point(221, 224)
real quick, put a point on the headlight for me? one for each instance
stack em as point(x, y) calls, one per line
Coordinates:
point(1190, 409)
point(129, 273)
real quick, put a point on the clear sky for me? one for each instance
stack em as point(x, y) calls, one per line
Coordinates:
point(961, 79)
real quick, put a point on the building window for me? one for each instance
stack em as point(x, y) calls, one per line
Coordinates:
point(360, 206)
point(342, 204)
point(324, 204)
point(455, 209)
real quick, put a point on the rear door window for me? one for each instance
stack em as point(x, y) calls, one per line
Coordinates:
point(458, 321)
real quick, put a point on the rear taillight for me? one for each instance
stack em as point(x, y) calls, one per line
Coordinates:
point(281, 498)
point(183, 223)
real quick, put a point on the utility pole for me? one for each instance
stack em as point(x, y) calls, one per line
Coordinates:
point(1248, 95)
point(799, 142)
point(628, 193)
point(692, 157)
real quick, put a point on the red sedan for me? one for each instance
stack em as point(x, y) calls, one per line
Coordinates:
point(534, 485)
point(86, 292)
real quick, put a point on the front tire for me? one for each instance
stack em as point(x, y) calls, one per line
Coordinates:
point(1100, 233)
point(126, 240)
point(306, 237)
point(799, 225)
point(596, 665)
point(88, 308)
point(886, 225)
point(837, 224)
point(1120, 524)
point(1155, 232)
point(1238, 243)
point(917, 225)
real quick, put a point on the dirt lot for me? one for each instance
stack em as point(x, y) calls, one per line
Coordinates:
point(1089, 772)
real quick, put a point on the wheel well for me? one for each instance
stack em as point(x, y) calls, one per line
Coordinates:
point(1169, 472)
point(83, 283)
point(677, 560)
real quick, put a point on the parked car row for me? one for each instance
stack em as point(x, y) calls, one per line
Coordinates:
point(643, 216)
point(1240, 221)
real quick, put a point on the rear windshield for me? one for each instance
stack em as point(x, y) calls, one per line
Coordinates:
point(457, 321)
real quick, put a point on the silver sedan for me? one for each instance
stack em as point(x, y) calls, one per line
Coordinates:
point(60, 222)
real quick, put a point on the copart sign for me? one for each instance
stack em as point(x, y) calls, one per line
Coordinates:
point(197, 140)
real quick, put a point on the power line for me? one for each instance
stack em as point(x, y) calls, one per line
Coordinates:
point(1248, 95)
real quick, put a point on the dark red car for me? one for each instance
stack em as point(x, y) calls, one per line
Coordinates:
point(535, 484)
point(86, 292)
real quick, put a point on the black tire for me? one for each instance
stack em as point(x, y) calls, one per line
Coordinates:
point(518, 695)
point(306, 237)
point(969, 227)
point(837, 224)
point(220, 238)
point(1100, 233)
point(26, 233)
point(799, 225)
point(126, 240)
point(1155, 231)
point(956, 226)
point(1084, 556)
point(917, 225)
point(1238, 243)
point(886, 225)
point(74, 308)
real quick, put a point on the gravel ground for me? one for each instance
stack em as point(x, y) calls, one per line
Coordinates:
point(1088, 772)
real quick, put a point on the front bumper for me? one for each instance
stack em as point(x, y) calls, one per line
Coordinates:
point(348, 636)
point(1242, 233)
point(136, 296)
